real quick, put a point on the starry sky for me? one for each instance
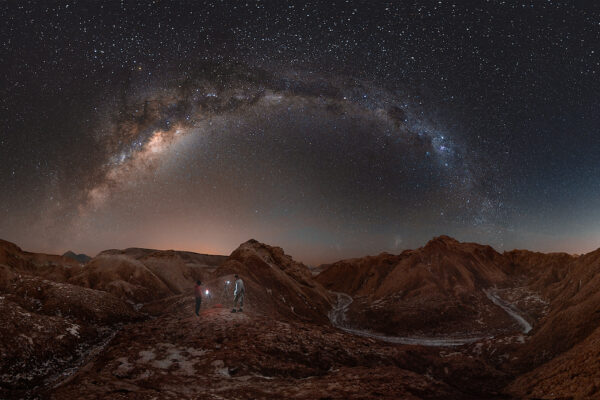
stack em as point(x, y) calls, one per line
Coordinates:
point(333, 129)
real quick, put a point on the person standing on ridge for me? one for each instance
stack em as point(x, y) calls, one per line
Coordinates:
point(238, 293)
point(198, 295)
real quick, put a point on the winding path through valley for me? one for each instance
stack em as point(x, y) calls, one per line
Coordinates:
point(338, 315)
point(509, 308)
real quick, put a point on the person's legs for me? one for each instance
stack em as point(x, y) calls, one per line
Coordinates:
point(198, 304)
point(235, 300)
point(241, 301)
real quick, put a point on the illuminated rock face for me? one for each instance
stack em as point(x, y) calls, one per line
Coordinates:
point(125, 323)
point(276, 284)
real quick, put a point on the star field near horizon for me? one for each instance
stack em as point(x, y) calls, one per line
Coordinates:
point(332, 129)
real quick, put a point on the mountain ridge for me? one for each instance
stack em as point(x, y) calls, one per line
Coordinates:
point(101, 320)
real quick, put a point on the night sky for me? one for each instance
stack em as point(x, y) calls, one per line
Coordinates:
point(334, 129)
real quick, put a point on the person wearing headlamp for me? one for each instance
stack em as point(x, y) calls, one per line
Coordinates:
point(238, 294)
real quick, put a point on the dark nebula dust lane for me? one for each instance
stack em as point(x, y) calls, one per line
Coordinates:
point(331, 130)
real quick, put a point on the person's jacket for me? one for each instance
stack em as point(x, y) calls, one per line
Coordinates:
point(239, 287)
point(197, 290)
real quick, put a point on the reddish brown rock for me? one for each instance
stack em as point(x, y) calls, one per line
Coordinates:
point(143, 275)
point(431, 291)
point(48, 327)
point(277, 285)
point(53, 267)
point(574, 374)
point(250, 356)
point(122, 276)
point(69, 331)
point(573, 310)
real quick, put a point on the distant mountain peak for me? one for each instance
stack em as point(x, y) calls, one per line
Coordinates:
point(444, 238)
point(442, 241)
point(81, 258)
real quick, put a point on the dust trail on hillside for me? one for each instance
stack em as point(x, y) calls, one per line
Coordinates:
point(337, 316)
point(509, 308)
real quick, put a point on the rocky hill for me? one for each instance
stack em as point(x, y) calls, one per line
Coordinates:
point(81, 258)
point(48, 326)
point(437, 289)
point(142, 275)
point(564, 347)
point(449, 320)
point(276, 284)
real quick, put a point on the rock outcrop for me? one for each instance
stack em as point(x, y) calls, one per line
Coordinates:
point(433, 290)
point(48, 327)
point(276, 284)
point(143, 275)
point(80, 258)
point(122, 325)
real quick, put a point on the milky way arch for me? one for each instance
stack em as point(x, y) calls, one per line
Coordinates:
point(345, 154)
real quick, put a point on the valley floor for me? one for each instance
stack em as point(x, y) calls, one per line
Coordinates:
point(224, 355)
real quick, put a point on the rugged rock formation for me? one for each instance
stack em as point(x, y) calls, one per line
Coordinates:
point(575, 374)
point(142, 275)
point(123, 276)
point(53, 318)
point(122, 326)
point(251, 356)
point(276, 284)
point(47, 327)
point(81, 258)
point(433, 290)
point(52, 267)
point(574, 315)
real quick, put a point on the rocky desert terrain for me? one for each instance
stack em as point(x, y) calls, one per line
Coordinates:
point(449, 320)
